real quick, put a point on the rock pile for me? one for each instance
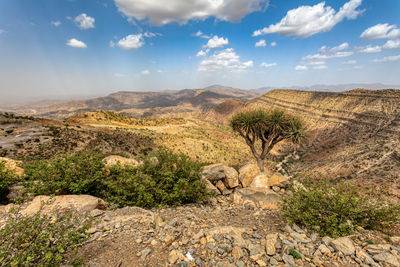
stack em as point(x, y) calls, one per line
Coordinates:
point(248, 186)
point(215, 235)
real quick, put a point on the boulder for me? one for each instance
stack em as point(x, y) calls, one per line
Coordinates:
point(79, 203)
point(124, 162)
point(220, 172)
point(344, 245)
point(220, 185)
point(210, 187)
point(276, 179)
point(261, 197)
point(260, 181)
point(12, 165)
point(387, 258)
point(247, 174)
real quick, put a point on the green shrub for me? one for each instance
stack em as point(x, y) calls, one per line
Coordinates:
point(81, 173)
point(40, 240)
point(7, 178)
point(338, 209)
point(164, 178)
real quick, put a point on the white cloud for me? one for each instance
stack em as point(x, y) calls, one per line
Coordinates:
point(358, 67)
point(392, 44)
point(320, 67)
point(151, 34)
point(201, 34)
point(388, 59)
point(369, 49)
point(119, 75)
point(56, 23)
point(76, 43)
point(350, 62)
point(84, 21)
point(305, 21)
point(267, 65)
point(314, 63)
point(2, 31)
point(216, 42)
point(273, 44)
point(326, 52)
point(381, 31)
point(326, 49)
point(301, 67)
point(145, 72)
point(160, 71)
point(202, 53)
point(226, 59)
point(130, 42)
point(160, 13)
point(261, 43)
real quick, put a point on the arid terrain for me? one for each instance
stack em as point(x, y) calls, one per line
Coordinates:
point(351, 136)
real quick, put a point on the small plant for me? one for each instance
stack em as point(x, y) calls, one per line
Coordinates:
point(295, 254)
point(336, 209)
point(7, 178)
point(42, 240)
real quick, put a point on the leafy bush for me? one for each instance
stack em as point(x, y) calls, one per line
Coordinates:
point(7, 178)
point(164, 178)
point(40, 240)
point(81, 173)
point(338, 209)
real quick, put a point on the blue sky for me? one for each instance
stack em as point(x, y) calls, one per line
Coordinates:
point(94, 47)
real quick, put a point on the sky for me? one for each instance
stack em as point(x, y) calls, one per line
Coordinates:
point(54, 48)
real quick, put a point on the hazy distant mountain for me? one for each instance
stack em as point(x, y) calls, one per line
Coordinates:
point(331, 88)
point(143, 103)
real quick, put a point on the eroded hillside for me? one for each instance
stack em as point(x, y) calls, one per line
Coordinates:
point(352, 135)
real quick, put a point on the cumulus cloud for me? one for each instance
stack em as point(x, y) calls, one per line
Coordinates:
point(369, 49)
point(216, 42)
point(273, 44)
point(392, 44)
point(226, 59)
point(202, 53)
point(267, 65)
point(261, 43)
point(130, 42)
point(145, 72)
point(326, 52)
point(182, 11)
point(301, 67)
point(305, 21)
point(381, 31)
point(84, 21)
point(76, 43)
point(388, 59)
point(56, 23)
point(316, 63)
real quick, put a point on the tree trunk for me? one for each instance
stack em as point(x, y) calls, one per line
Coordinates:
point(260, 164)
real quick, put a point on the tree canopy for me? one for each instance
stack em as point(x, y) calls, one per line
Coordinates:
point(269, 127)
